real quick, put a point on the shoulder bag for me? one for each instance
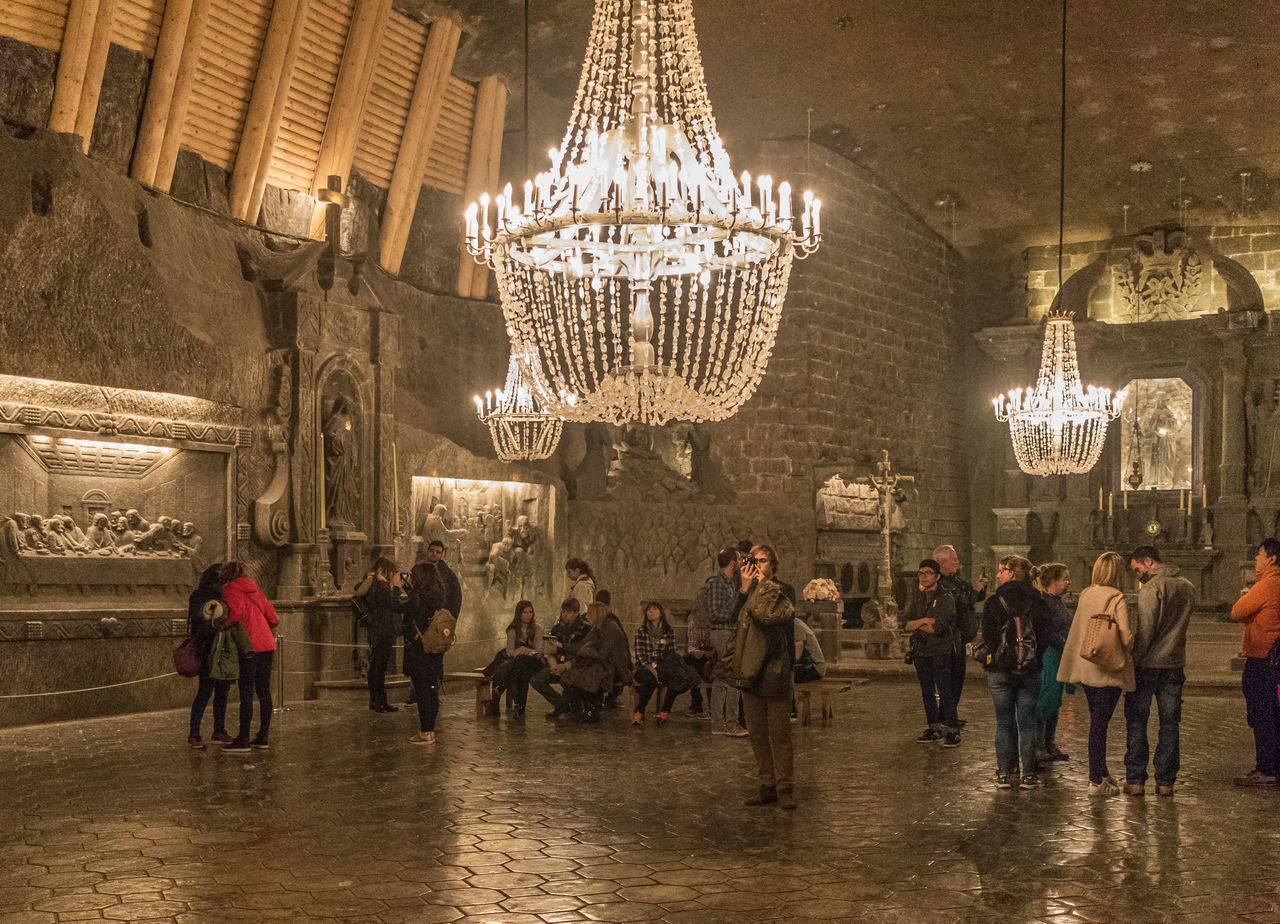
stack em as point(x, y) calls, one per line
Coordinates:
point(1101, 643)
point(186, 658)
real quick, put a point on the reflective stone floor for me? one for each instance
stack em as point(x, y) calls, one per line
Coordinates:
point(526, 822)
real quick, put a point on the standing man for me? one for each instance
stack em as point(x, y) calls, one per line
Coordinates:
point(965, 595)
point(433, 555)
point(717, 600)
point(1259, 609)
point(1165, 601)
point(930, 617)
point(763, 665)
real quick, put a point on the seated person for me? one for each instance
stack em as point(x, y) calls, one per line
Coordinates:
point(654, 637)
point(700, 654)
point(560, 645)
point(810, 664)
point(524, 639)
point(602, 660)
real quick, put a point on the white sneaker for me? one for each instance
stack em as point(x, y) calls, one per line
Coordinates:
point(737, 733)
point(1107, 787)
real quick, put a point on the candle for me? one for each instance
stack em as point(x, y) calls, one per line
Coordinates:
point(322, 505)
point(395, 484)
point(1204, 495)
point(1124, 499)
point(1110, 501)
point(1099, 500)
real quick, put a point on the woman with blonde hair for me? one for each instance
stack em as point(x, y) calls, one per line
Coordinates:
point(1015, 623)
point(1102, 687)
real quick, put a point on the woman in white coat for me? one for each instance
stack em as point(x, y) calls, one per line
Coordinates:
point(1102, 687)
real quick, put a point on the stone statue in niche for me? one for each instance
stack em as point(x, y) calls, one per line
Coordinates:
point(591, 476)
point(341, 492)
point(1263, 415)
point(639, 473)
point(703, 470)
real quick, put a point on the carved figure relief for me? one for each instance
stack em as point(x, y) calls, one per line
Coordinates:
point(271, 509)
point(120, 533)
point(1161, 279)
point(1156, 432)
point(494, 534)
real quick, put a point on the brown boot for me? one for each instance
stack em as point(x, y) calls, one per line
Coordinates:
point(784, 799)
point(767, 796)
point(1134, 789)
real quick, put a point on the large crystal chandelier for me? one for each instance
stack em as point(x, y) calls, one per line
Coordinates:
point(519, 426)
point(640, 279)
point(1059, 427)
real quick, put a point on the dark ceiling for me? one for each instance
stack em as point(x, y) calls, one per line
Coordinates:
point(958, 101)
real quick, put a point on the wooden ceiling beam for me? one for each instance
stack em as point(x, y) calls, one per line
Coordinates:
point(164, 75)
point(482, 174)
point(351, 92)
point(175, 122)
point(266, 108)
point(419, 134)
point(81, 63)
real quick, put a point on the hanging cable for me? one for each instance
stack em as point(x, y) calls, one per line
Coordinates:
point(1062, 156)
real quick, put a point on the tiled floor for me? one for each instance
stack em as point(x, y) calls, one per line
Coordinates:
point(527, 821)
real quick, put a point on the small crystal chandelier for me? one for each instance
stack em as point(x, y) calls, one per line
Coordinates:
point(640, 279)
point(520, 428)
point(1059, 427)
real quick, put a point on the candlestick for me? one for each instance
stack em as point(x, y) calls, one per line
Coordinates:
point(1099, 500)
point(1204, 495)
point(1110, 499)
point(322, 505)
point(1124, 499)
point(395, 484)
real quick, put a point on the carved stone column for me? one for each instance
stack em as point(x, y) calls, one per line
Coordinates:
point(387, 519)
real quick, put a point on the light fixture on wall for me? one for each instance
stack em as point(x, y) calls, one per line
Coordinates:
point(640, 279)
point(1060, 426)
point(518, 425)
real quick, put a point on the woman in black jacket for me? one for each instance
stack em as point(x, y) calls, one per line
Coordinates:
point(426, 669)
point(204, 607)
point(379, 597)
point(1016, 627)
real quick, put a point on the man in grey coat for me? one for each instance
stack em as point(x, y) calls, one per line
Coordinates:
point(1165, 602)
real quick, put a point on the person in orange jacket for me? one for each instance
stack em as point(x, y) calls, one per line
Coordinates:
point(249, 606)
point(1259, 609)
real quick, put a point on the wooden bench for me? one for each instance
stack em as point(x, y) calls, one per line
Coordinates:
point(825, 690)
point(876, 644)
point(483, 686)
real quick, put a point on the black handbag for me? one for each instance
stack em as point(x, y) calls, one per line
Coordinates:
point(675, 673)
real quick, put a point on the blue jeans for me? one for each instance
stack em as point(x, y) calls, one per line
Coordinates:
point(1165, 684)
point(1014, 697)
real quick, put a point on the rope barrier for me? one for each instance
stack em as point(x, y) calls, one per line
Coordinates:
point(108, 686)
point(348, 645)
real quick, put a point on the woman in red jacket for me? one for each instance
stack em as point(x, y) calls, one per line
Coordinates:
point(249, 606)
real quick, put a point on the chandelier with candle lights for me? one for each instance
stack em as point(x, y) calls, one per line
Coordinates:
point(640, 279)
point(1059, 427)
point(519, 426)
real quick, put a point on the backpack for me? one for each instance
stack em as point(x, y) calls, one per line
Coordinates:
point(1016, 652)
point(439, 635)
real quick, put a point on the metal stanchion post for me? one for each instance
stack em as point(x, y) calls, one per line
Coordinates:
point(280, 707)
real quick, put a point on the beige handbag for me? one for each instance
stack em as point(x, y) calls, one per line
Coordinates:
point(1101, 644)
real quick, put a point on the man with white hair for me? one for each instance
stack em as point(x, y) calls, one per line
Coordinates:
point(965, 596)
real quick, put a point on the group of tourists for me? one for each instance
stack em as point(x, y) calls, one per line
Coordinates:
point(744, 641)
point(1033, 648)
point(229, 614)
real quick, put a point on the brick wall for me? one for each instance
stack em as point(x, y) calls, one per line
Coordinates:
point(870, 356)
